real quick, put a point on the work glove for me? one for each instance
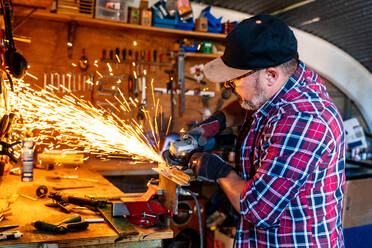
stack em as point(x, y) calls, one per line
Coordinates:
point(209, 167)
point(209, 128)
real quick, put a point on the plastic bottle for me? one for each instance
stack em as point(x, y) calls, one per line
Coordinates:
point(28, 147)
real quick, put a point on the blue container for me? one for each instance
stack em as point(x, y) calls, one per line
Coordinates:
point(214, 24)
point(189, 49)
point(163, 22)
point(186, 25)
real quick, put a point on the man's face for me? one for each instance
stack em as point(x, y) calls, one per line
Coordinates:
point(251, 92)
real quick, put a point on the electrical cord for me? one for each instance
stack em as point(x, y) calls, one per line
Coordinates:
point(199, 216)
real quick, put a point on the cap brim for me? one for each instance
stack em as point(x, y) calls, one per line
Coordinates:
point(217, 71)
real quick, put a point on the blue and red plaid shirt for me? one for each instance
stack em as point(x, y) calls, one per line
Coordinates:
point(291, 153)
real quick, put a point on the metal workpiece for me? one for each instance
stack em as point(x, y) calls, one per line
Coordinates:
point(171, 181)
point(45, 80)
point(52, 79)
point(63, 82)
point(69, 81)
point(73, 82)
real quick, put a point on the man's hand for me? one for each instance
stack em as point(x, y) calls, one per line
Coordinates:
point(209, 128)
point(209, 167)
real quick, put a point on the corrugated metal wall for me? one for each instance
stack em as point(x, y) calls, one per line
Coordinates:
point(345, 23)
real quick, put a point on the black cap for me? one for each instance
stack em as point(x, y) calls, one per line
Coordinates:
point(259, 42)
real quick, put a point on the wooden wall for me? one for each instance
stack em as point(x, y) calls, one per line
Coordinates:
point(47, 52)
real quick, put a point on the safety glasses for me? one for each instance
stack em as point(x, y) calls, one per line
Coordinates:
point(231, 83)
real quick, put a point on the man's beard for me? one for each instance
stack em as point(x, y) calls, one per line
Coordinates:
point(257, 101)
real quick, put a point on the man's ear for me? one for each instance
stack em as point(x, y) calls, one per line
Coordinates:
point(272, 75)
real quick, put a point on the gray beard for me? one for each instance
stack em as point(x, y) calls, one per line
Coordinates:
point(257, 101)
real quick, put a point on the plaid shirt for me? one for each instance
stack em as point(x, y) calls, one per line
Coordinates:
point(291, 155)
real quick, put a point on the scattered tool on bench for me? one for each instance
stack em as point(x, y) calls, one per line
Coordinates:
point(43, 190)
point(72, 223)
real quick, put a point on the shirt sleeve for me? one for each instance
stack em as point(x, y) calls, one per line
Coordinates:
point(291, 148)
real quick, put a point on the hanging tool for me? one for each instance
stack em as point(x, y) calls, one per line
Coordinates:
point(83, 61)
point(111, 55)
point(170, 89)
point(136, 89)
point(124, 54)
point(103, 58)
point(71, 34)
point(181, 79)
point(141, 114)
point(117, 58)
point(154, 59)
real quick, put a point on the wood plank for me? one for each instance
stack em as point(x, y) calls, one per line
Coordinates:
point(119, 167)
point(26, 211)
point(202, 55)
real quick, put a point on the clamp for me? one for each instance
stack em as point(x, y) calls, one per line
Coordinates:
point(4, 149)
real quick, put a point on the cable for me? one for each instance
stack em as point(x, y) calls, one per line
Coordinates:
point(199, 216)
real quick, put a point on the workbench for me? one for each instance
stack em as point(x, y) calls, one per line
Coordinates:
point(25, 211)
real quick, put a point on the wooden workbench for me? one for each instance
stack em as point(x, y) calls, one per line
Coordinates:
point(25, 211)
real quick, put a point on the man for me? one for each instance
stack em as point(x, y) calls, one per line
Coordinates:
point(288, 181)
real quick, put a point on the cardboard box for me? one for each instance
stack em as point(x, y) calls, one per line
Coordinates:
point(201, 24)
point(222, 240)
point(144, 4)
point(146, 17)
point(134, 16)
point(357, 203)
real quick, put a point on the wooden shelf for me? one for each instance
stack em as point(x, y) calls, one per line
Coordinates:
point(202, 55)
point(115, 24)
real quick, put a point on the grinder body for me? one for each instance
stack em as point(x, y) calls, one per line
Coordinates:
point(181, 150)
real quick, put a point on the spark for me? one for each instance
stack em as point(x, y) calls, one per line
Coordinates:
point(30, 75)
point(109, 67)
point(117, 58)
point(99, 74)
point(72, 122)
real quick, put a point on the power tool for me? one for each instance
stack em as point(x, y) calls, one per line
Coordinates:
point(181, 150)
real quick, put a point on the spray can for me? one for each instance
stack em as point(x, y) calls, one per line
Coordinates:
point(28, 147)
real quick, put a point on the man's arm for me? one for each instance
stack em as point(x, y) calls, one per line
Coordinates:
point(296, 146)
point(233, 186)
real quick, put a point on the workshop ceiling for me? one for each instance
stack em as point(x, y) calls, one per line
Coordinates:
point(345, 23)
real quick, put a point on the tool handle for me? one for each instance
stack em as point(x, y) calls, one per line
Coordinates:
point(71, 219)
point(85, 202)
point(79, 226)
point(44, 226)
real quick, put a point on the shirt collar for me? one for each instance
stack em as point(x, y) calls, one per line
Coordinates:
point(278, 97)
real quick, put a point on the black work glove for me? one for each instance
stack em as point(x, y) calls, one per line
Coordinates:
point(209, 128)
point(208, 166)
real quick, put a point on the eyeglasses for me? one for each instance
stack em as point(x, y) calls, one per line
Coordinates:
point(231, 83)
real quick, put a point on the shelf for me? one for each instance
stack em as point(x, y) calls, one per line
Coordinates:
point(115, 24)
point(139, 62)
point(202, 55)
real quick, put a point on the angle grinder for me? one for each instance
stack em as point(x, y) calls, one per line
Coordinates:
point(181, 150)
